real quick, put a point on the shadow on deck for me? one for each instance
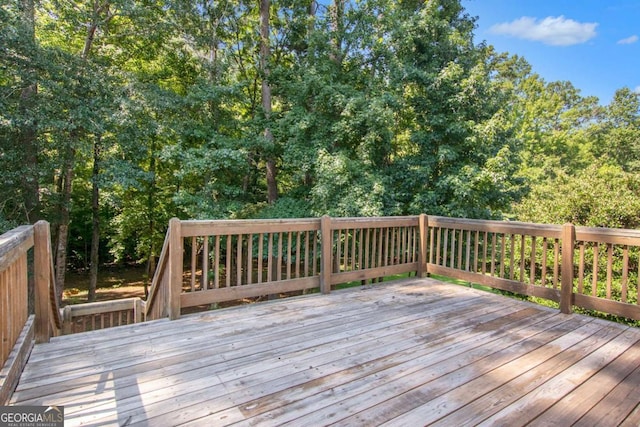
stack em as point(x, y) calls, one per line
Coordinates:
point(408, 352)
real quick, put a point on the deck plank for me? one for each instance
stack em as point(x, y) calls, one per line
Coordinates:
point(250, 376)
point(543, 368)
point(224, 348)
point(410, 352)
point(281, 324)
point(421, 404)
point(528, 407)
point(568, 410)
point(246, 392)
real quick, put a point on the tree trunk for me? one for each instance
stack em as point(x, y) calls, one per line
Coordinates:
point(27, 138)
point(271, 168)
point(63, 228)
point(95, 221)
point(151, 257)
point(272, 183)
point(337, 26)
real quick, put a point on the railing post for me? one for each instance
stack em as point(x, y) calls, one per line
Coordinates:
point(175, 268)
point(566, 289)
point(138, 310)
point(67, 320)
point(423, 226)
point(42, 273)
point(326, 245)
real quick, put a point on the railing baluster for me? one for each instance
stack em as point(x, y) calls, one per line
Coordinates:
point(354, 248)
point(280, 258)
point(451, 251)
point(609, 269)
point(431, 240)
point(193, 263)
point(306, 253)
point(260, 254)
point(229, 258)
point(503, 253)
point(269, 257)
point(239, 260)
point(594, 282)
point(556, 262)
point(543, 267)
point(476, 252)
point(512, 258)
point(298, 252)
point(468, 254)
point(445, 245)
point(367, 252)
point(216, 272)
point(380, 247)
point(289, 256)
point(250, 258)
point(625, 273)
point(522, 258)
point(204, 283)
point(360, 248)
point(493, 254)
point(485, 249)
point(460, 247)
point(581, 262)
point(532, 262)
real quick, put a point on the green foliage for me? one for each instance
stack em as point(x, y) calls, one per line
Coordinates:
point(604, 196)
point(379, 108)
point(345, 188)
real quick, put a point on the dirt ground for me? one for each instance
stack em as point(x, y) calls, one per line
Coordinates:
point(113, 283)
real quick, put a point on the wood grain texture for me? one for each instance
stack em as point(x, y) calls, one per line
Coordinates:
point(409, 352)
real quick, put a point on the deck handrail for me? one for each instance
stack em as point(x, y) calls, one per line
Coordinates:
point(102, 314)
point(561, 263)
point(206, 262)
point(217, 260)
point(19, 329)
point(155, 302)
point(209, 261)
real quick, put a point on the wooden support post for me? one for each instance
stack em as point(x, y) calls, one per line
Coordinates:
point(566, 289)
point(175, 268)
point(423, 229)
point(326, 244)
point(43, 278)
point(67, 320)
point(138, 310)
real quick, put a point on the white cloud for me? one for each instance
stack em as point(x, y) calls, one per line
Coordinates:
point(555, 31)
point(629, 40)
point(637, 90)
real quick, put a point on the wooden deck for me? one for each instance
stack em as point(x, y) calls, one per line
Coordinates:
point(406, 353)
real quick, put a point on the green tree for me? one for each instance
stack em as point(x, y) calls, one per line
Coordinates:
point(448, 157)
point(617, 135)
point(580, 199)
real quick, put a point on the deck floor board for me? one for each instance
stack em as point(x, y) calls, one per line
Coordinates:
point(409, 352)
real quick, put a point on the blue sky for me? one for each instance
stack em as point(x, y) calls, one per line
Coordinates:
point(594, 44)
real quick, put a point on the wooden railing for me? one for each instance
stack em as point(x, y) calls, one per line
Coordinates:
point(513, 256)
point(157, 304)
point(103, 314)
point(368, 248)
point(206, 262)
point(592, 268)
point(19, 248)
point(607, 271)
